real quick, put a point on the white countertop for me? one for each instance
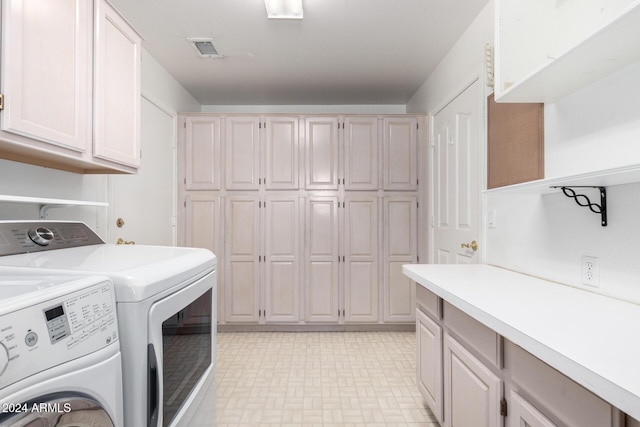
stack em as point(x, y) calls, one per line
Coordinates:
point(591, 338)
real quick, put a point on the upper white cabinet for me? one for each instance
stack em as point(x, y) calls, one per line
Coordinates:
point(321, 138)
point(118, 50)
point(548, 49)
point(261, 151)
point(68, 103)
point(400, 171)
point(361, 145)
point(242, 146)
point(46, 73)
point(202, 152)
point(281, 157)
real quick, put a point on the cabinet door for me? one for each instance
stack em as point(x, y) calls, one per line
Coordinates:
point(429, 362)
point(116, 87)
point(321, 259)
point(282, 258)
point(242, 146)
point(524, 414)
point(472, 392)
point(321, 135)
point(202, 153)
point(400, 153)
point(361, 153)
point(281, 153)
point(242, 242)
point(202, 230)
point(46, 70)
point(400, 247)
point(361, 259)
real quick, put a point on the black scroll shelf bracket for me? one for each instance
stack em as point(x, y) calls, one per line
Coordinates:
point(584, 201)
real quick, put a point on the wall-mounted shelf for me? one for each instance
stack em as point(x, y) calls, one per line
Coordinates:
point(546, 49)
point(603, 178)
point(47, 203)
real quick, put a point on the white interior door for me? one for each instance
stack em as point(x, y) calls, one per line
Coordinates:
point(146, 201)
point(457, 178)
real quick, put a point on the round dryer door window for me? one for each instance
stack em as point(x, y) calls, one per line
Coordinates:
point(55, 411)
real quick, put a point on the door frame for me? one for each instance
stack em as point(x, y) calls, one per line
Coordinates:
point(478, 75)
point(111, 229)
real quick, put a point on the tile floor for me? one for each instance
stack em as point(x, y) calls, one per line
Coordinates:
point(315, 379)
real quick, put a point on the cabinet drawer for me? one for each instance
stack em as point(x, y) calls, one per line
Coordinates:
point(428, 301)
point(477, 336)
point(560, 398)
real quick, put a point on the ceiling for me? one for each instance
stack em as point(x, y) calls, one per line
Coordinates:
point(344, 52)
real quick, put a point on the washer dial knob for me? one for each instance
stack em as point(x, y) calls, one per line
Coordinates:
point(4, 358)
point(41, 236)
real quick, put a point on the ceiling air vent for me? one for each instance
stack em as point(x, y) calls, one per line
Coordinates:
point(204, 47)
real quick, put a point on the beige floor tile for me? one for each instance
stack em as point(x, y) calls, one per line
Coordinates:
point(342, 379)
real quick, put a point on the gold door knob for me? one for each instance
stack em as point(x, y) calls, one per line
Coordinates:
point(119, 222)
point(473, 245)
point(121, 241)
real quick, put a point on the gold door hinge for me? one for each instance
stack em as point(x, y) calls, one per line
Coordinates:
point(1, 101)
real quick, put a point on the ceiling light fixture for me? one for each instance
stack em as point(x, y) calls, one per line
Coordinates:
point(284, 9)
point(204, 47)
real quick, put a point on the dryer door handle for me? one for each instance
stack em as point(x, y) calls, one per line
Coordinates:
point(153, 388)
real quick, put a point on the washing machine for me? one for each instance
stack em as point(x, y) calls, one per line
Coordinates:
point(60, 361)
point(165, 301)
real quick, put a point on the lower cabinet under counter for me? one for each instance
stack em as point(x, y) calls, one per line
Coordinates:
point(470, 376)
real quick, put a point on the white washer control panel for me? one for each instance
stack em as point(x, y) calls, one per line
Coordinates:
point(54, 327)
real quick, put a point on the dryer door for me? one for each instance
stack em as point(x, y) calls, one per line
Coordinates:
point(55, 411)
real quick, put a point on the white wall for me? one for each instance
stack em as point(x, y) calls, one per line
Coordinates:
point(597, 127)
point(547, 235)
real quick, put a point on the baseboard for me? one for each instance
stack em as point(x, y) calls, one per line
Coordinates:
point(386, 327)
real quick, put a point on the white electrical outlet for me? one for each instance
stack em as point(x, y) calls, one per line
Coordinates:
point(590, 271)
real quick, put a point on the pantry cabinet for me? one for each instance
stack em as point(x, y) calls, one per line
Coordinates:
point(310, 234)
point(242, 148)
point(282, 153)
point(202, 153)
point(361, 282)
point(282, 258)
point(83, 113)
point(321, 153)
point(400, 166)
point(241, 252)
point(400, 247)
point(361, 146)
point(321, 259)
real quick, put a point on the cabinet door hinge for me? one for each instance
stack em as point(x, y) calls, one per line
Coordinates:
point(1, 101)
point(503, 407)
